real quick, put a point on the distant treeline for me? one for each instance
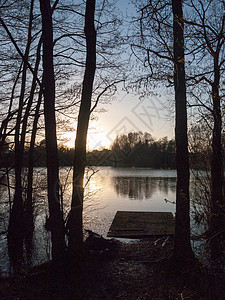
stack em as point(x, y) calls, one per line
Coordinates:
point(135, 149)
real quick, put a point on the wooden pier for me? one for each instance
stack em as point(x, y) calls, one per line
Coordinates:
point(133, 224)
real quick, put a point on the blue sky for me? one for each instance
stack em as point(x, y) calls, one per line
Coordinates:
point(126, 112)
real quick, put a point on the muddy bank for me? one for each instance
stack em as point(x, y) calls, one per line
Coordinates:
point(135, 270)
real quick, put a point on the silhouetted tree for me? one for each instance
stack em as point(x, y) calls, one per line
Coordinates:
point(75, 220)
point(161, 49)
point(206, 26)
point(183, 250)
point(56, 223)
point(16, 220)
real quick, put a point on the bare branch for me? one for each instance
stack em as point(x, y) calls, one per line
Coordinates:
point(102, 93)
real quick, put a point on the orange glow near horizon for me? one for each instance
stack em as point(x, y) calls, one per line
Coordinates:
point(128, 114)
point(95, 140)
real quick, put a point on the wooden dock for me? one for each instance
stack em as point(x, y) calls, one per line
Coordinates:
point(132, 224)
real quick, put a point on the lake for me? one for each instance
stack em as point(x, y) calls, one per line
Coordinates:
point(107, 190)
point(135, 189)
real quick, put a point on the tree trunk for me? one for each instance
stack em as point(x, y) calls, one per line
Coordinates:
point(217, 204)
point(183, 251)
point(29, 217)
point(28, 205)
point(75, 230)
point(16, 220)
point(55, 221)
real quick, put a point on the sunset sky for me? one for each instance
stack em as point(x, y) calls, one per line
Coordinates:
point(126, 112)
point(131, 114)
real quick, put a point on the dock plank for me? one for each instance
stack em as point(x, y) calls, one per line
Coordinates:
point(133, 224)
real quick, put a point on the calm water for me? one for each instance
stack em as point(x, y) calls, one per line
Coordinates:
point(107, 191)
point(110, 190)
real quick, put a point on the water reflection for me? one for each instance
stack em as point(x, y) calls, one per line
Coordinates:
point(143, 187)
point(107, 191)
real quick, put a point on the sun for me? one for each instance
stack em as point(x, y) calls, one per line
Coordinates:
point(95, 140)
point(68, 139)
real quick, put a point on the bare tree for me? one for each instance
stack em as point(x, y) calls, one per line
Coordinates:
point(56, 222)
point(162, 46)
point(206, 28)
point(16, 221)
point(75, 224)
point(183, 251)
